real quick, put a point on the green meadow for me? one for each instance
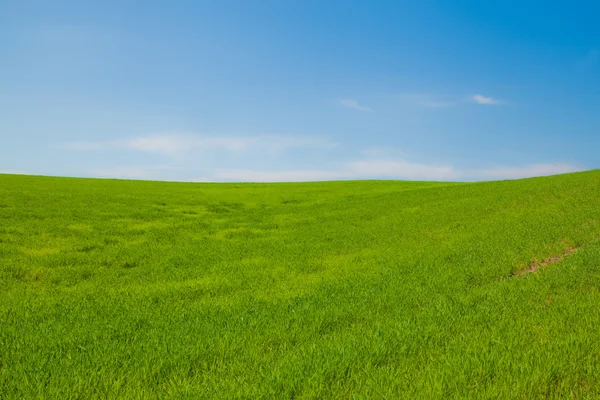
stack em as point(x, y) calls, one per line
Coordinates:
point(330, 290)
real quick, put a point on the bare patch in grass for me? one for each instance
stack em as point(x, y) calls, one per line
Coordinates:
point(535, 264)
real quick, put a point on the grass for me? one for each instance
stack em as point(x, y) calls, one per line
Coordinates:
point(370, 289)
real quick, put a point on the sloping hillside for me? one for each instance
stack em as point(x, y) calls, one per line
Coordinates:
point(365, 289)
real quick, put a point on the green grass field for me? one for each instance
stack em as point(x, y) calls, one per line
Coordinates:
point(343, 290)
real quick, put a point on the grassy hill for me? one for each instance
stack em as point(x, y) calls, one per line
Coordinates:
point(368, 289)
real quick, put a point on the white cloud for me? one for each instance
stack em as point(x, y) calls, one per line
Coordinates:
point(147, 172)
point(151, 172)
point(394, 169)
point(523, 172)
point(362, 169)
point(201, 180)
point(248, 175)
point(12, 172)
point(174, 143)
point(373, 163)
point(400, 170)
point(489, 101)
point(434, 101)
point(353, 104)
point(124, 173)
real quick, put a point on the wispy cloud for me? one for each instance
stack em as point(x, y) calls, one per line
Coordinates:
point(440, 101)
point(12, 172)
point(488, 101)
point(522, 172)
point(147, 172)
point(243, 151)
point(394, 169)
point(249, 175)
point(130, 172)
point(174, 143)
point(400, 170)
point(353, 104)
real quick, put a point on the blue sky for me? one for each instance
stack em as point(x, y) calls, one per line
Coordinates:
point(299, 90)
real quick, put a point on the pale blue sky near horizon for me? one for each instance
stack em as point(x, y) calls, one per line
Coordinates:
point(278, 90)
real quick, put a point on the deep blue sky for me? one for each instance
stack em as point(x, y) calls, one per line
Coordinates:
point(299, 90)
